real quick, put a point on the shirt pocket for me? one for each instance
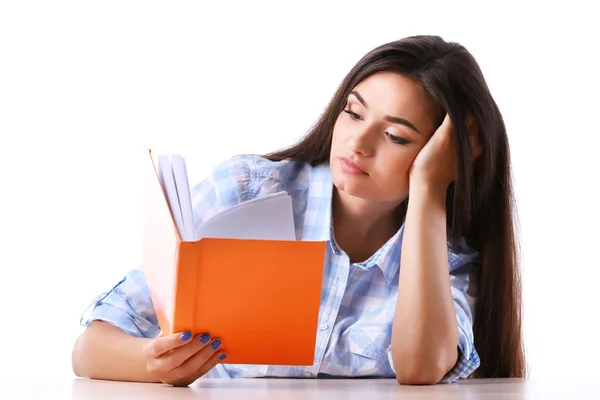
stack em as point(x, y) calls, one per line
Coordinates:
point(367, 347)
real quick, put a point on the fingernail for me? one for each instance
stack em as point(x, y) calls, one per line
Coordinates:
point(204, 338)
point(215, 344)
point(222, 356)
point(186, 336)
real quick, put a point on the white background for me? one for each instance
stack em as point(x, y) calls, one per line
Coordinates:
point(86, 87)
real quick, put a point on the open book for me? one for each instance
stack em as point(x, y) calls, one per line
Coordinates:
point(242, 275)
point(269, 217)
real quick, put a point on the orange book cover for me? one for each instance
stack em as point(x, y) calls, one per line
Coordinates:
point(261, 297)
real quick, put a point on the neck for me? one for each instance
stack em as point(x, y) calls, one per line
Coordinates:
point(360, 226)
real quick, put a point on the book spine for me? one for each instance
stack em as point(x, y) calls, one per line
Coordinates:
point(185, 284)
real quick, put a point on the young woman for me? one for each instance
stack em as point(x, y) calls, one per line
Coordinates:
point(407, 175)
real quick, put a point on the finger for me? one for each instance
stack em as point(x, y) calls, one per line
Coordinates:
point(444, 130)
point(177, 357)
point(197, 365)
point(210, 363)
point(201, 363)
point(446, 123)
point(162, 345)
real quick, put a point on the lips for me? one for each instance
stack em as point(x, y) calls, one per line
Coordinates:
point(351, 166)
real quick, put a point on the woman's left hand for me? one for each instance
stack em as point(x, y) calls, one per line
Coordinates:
point(435, 165)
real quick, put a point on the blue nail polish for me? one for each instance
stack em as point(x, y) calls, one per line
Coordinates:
point(186, 336)
point(215, 345)
point(222, 357)
point(204, 338)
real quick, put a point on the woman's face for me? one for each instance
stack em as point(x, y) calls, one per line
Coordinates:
point(386, 121)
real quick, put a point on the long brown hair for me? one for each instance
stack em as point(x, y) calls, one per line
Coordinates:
point(480, 205)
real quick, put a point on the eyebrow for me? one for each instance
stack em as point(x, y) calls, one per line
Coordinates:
point(389, 118)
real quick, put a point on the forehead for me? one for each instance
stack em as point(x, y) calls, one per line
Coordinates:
point(389, 93)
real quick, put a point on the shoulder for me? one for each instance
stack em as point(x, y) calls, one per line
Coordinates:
point(245, 177)
point(250, 176)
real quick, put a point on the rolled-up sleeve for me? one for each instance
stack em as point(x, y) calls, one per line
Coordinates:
point(468, 359)
point(127, 306)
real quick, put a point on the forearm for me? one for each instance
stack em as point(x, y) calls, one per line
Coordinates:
point(104, 351)
point(425, 333)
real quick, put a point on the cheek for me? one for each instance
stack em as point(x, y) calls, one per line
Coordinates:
point(399, 161)
point(393, 172)
point(337, 136)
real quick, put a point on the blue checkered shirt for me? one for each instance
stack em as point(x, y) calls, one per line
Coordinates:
point(358, 300)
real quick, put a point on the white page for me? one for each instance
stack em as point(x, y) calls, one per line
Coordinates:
point(269, 217)
point(185, 201)
point(165, 173)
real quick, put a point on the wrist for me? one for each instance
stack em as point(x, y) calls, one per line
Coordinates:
point(425, 190)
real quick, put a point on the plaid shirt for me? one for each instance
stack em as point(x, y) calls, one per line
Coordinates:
point(358, 300)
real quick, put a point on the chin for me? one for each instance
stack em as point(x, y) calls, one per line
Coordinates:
point(363, 189)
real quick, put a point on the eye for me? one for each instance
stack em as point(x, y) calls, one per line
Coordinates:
point(353, 115)
point(396, 139)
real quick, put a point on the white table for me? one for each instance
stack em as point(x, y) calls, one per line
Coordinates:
point(288, 389)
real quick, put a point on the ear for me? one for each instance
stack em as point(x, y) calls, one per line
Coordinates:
point(474, 141)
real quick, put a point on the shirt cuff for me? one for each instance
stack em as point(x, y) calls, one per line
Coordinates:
point(464, 367)
point(122, 320)
point(126, 306)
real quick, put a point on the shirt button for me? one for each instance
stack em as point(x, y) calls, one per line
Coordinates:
point(323, 326)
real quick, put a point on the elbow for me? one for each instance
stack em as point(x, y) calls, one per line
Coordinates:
point(419, 376)
point(76, 357)
point(427, 366)
point(419, 370)
point(80, 356)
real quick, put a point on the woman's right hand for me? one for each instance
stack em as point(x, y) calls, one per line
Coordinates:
point(180, 359)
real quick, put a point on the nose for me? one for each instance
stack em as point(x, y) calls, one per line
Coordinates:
point(361, 142)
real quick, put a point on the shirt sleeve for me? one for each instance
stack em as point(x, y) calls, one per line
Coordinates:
point(461, 265)
point(468, 359)
point(127, 305)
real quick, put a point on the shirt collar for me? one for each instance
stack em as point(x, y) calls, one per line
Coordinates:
point(389, 256)
point(317, 217)
point(318, 224)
